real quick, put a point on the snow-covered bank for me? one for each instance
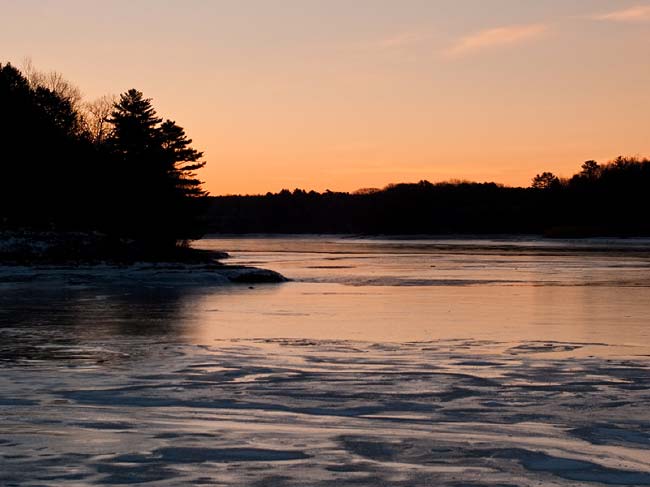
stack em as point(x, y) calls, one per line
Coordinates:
point(93, 258)
point(159, 274)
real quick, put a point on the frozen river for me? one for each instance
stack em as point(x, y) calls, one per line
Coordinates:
point(383, 362)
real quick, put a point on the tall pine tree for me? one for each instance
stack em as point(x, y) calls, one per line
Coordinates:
point(163, 197)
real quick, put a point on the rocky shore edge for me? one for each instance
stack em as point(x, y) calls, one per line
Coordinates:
point(93, 258)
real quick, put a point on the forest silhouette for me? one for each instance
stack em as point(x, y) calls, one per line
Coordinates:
point(112, 168)
point(611, 199)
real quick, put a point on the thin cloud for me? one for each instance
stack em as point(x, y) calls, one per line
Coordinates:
point(397, 41)
point(491, 38)
point(640, 13)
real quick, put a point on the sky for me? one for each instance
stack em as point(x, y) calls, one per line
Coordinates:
point(350, 94)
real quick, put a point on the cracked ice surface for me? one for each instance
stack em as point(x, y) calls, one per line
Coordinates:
point(296, 412)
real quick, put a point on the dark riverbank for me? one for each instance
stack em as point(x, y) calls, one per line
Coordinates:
point(74, 257)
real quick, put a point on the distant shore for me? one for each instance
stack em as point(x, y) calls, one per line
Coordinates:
point(602, 200)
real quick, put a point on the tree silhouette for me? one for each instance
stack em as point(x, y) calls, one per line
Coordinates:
point(590, 170)
point(111, 167)
point(135, 134)
point(183, 161)
point(42, 155)
point(162, 185)
point(546, 180)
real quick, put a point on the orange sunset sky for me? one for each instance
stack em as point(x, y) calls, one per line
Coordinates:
point(345, 94)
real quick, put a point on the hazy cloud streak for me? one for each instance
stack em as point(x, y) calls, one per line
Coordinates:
point(634, 14)
point(490, 38)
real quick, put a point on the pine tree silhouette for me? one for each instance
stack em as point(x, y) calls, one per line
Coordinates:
point(162, 191)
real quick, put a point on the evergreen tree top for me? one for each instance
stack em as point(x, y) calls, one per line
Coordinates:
point(133, 105)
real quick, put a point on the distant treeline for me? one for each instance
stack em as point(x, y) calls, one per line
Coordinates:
point(607, 199)
point(111, 166)
point(114, 169)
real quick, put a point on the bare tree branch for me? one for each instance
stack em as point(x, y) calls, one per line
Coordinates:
point(53, 81)
point(96, 114)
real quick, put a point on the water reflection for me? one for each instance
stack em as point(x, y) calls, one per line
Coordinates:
point(97, 323)
point(416, 290)
point(342, 291)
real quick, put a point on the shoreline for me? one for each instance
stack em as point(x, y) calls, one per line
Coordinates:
point(73, 257)
point(166, 274)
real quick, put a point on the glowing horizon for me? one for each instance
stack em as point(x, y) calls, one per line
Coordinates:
point(325, 95)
